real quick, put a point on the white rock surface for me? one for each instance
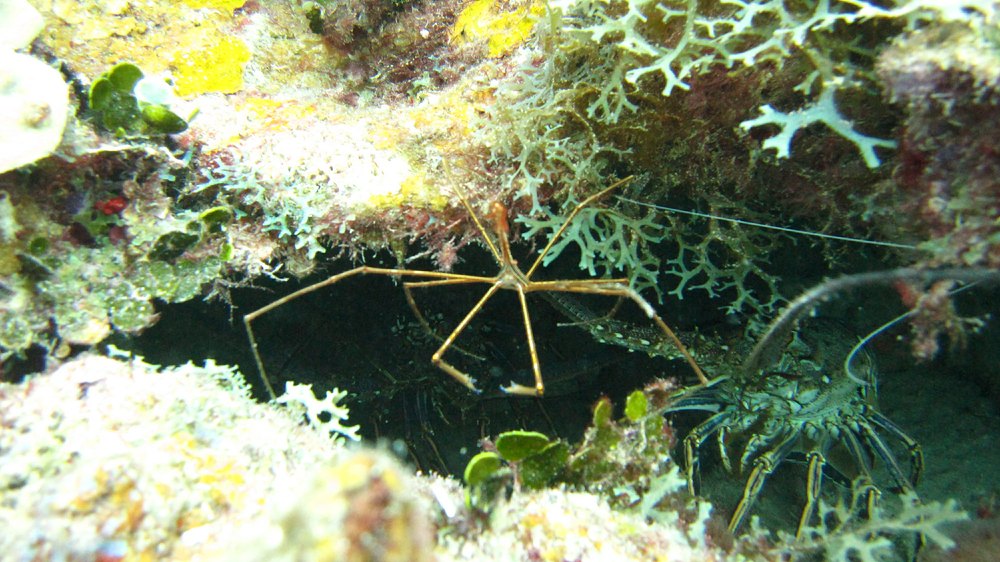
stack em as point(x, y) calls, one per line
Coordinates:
point(35, 99)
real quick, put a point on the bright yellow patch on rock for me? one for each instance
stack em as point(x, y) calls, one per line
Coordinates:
point(415, 191)
point(502, 31)
point(215, 66)
point(226, 5)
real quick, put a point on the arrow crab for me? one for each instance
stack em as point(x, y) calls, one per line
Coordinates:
point(809, 392)
point(509, 277)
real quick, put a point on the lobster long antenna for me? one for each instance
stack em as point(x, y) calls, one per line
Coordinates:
point(772, 343)
point(770, 226)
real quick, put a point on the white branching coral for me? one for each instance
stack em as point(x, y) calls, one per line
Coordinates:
point(679, 40)
point(843, 536)
point(324, 415)
point(752, 32)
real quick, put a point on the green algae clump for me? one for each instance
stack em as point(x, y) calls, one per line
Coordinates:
point(113, 100)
